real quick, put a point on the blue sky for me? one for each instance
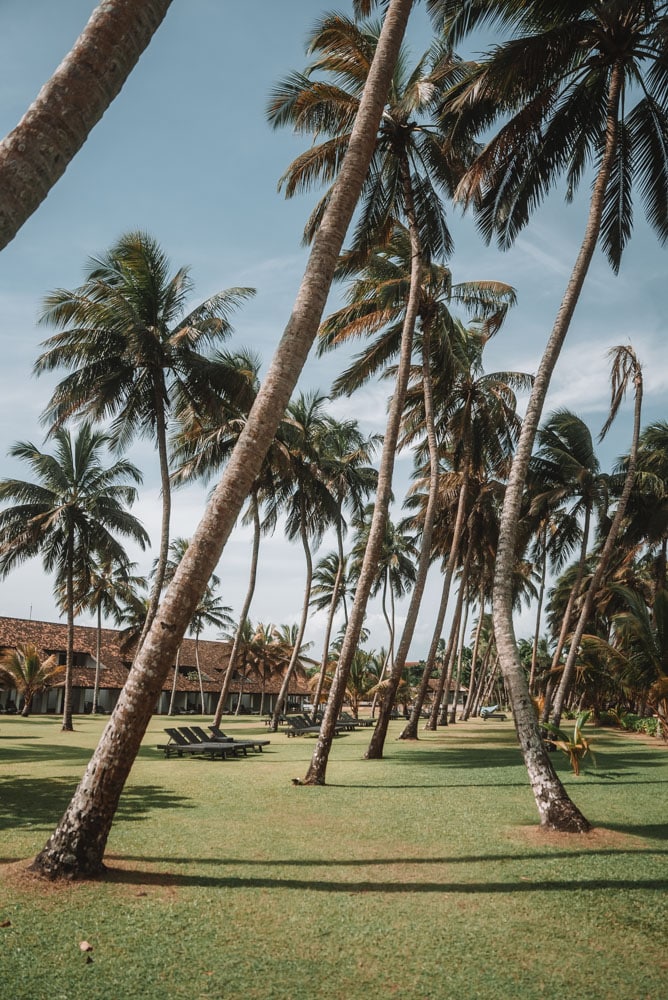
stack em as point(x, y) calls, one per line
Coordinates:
point(185, 153)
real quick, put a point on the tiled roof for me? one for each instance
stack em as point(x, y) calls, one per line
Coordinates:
point(115, 661)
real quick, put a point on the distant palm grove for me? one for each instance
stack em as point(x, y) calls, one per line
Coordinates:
point(508, 509)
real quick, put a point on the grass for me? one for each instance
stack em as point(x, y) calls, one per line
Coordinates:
point(419, 876)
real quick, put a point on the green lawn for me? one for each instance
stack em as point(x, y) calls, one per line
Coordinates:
point(419, 876)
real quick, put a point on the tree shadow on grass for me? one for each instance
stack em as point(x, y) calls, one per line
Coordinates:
point(467, 859)
point(136, 877)
point(34, 803)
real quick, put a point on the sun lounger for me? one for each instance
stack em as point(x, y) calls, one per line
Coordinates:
point(218, 734)
point(492, 712)
point(180, 745)
point(358, 723)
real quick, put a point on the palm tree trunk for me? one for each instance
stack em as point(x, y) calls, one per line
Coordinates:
point(606, 554)
point(446, 674)
point(483, 680)
point(170, 710)
point(375, 749)
point(166, 492)
point(98, 644)
point(539, 612)
point(36, 153)
point(325, 646)
point(315, 774)
point(199, 673)
point(474, 659)
point(410, 730)
point(460, 659)
point(555, 808)
point(283, 693)
point(69, 655)
point(568, 613)
point(77, 844)
point(255, 551)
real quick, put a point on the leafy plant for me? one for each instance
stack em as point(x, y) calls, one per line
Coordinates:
point(576, 748)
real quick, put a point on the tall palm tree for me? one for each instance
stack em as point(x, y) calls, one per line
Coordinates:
point(625, 369)
point(26, 671)
point(79, 92)
point(78, 843)
point(202, 446)
point(646, 527)
point(409, 166)
point(306, 499)
point(135, 354)
point(575, 85)
point(565, 473)
point(476, 426)
point(104, 586)
point(209, 613)
point(74, 506)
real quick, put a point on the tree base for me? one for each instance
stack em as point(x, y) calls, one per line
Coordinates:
point(66, 867)
point(409, 733)
point(309, 781)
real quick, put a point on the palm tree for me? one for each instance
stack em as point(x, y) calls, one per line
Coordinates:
point(74, 506)
point(78, 843)
point(565, 474)
point(25, 670)
point(328, 590)
point(79, 92)
point(104, 587)
point(443, 364)
point(134, 354)
point(646, 527)
point(578, 84)
point(209, 613)
point(209, 610)
point(306, 499)
point(625, 369)
point(476, 425)
point(410, 163)
point(202, 446)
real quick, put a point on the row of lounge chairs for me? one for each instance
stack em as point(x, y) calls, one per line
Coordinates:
point(193, 741)
point(299, 725)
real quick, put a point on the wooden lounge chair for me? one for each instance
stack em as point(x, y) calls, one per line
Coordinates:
point(358, 723)
point(199, 738)
point(180, 745)
point(218, 735)
point(299, 726)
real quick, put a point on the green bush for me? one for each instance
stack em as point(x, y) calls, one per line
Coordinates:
point(639, 724)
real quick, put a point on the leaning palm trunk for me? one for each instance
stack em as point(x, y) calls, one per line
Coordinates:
point(568, 616)
point(474, 661)
point(285, 686)
point(483, 678)
point(166, 492)
point(98, 645)
point(224, 691)
point(375, 749)
point(77, 845)
point(539, 613)
point(606, 553)
point(35, 154)
point(69, 654)
point(555, 808)
point(452, 716)
point(325, 646)
point(446, 674)
point(199, 674)
point(170, 710)
point(410, 730)
point(315, 774)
